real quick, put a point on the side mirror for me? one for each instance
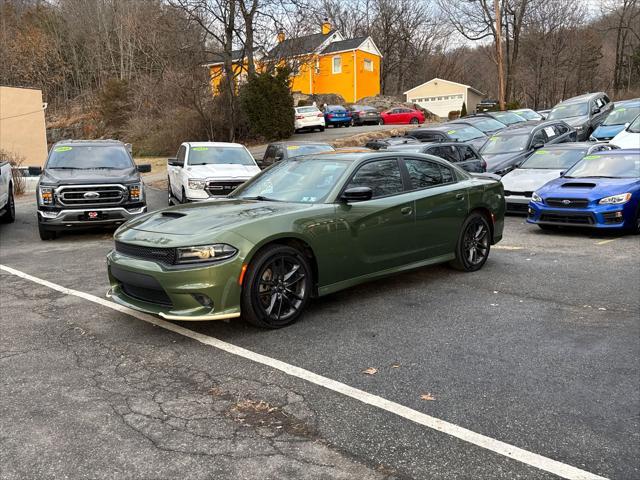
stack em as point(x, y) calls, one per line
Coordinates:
point(595, 110)
point(356, 194)
point(173, 162)
point(35, 171)
point(538, 145)
point(562, 173)
point(144, 168)
point(279, 157)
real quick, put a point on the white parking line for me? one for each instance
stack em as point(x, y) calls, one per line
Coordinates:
point(604, 242)
point(506, 247)
point(543, 463)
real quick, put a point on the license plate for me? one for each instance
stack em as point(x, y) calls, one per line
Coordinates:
point(93, 215)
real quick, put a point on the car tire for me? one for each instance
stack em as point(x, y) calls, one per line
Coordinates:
point(634, 229)
point(347, 125)
point(267, 285)
point(10, 215)
point(322, 129)
point(474, 244)
point(381, 122)
point(414, 121)
point(183, 198)
point(46, 234)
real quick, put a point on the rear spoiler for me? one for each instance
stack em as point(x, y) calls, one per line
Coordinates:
point(486, 175)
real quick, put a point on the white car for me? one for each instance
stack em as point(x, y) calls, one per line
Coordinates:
point(7, 202)
point(629, 137)
point(205, 170)
point(546, 164)
point(308, 117)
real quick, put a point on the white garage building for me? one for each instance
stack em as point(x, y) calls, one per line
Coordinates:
point(442, 96)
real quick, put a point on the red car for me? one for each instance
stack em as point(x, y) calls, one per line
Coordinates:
point(399, 115)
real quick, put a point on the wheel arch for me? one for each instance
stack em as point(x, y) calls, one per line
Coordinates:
point(486, 213)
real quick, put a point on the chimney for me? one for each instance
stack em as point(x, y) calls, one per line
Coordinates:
point(281, 35)
point(326, 26)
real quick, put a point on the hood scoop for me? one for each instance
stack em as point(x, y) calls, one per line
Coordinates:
point(163, 218)
point(578, 185)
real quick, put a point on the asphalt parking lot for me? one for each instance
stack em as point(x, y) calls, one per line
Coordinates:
point(538, 350)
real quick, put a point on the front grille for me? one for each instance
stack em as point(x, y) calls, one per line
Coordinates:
point(218, 188)
point(567, 202)
point(150, 295)
point(155, 254)
point(509, 193)
point(91, 195)
point(517, 207)
point(574, 219)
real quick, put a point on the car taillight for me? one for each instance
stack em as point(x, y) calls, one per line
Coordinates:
point(330, 115)
point(299, 117)
point(320, 115)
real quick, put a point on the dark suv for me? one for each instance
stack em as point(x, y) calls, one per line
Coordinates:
point(88, 183)
point(584, 113)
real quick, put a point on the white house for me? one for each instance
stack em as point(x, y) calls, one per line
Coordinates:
point(443, 96)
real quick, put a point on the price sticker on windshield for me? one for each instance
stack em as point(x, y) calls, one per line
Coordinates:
point(590, 157)
point(293, 147)
point(62, 149)
point(542, 152)
point(200, 149)
point(451, 131)
point(621, 109)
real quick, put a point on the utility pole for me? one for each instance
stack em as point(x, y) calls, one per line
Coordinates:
point(499, 59)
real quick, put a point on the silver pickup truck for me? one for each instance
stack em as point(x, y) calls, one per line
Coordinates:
point(7, 203)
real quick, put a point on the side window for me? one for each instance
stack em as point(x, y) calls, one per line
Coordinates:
point(466, 153)
point(182, 152)
point(423, 173)
point(539, 137)
point(447, 174)
point(606, 100)
point(427, 136)
point(560, 128)
point(382, 176)
point(446, 152)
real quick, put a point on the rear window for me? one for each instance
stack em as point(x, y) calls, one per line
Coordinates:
point(306, 109)
point(112, 157)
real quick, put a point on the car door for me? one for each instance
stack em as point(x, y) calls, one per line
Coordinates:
point(378, 232)
point(469, 159)
point(175, 172)
point(441, 205)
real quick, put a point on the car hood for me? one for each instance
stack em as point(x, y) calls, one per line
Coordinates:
point(54, 176)
point(591, 188)
point(205, 217)
point(576, 121)
point(223, 170)
point(528, 179)
point(626, 139)
point(605, 132)
point(496, 162)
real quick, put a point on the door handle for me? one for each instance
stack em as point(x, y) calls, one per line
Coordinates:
point(406, 211)
point(460, 196)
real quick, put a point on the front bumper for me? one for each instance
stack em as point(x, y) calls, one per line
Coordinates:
point(517, 204)
point(78, 218)
point(609, 217)
point(176, 293)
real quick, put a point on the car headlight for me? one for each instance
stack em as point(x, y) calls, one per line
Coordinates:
point(136, 192)
point(205, 253)
point(46, 195)
point(197, 184)
point(616, 199)
point(536, 198)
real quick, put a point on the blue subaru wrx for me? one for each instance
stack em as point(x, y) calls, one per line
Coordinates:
point(600, 191)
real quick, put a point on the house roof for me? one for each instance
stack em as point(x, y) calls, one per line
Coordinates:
point(217, 58)
point(342, 45)
point(299, 45)
point(433, 80)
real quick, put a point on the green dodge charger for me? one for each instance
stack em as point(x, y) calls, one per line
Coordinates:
point(305, 227)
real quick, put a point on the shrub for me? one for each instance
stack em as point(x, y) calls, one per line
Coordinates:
point(114, 104)
point(267, 104)
point(454, 114)
point(463, 112)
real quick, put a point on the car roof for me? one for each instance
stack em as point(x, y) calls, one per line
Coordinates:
point(628, 103)
point(438, 128)
point(90, 143)
point(215, 144)
point(619, 151)
point(525, 127)
point(300, 142)
point(581, 98)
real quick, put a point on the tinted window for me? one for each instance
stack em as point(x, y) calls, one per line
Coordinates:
point(182, 151)
point(423, 173)
point(447, 174)
point(561, 129)
point(426, 136)
point(466, 153)
point(89, 157)
point(540, 137)
point(382, 177)
point(446, 152)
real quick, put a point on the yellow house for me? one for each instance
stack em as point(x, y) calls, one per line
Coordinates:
point(321, 63)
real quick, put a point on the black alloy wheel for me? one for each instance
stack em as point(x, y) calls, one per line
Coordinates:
point(474, 244)
point(414, 121)
point(277, 287)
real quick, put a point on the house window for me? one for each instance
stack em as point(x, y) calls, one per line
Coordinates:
point(368, 65)
point(336, 65)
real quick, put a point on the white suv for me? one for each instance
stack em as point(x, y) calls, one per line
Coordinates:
point(204, 170)
point(309, 117)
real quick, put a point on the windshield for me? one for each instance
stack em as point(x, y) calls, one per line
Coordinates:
point(528, 114)
point(220, 155)
point(508, 118)
point(304, 180)
point(89, 157)
point(488, 124)
point(635, 126)
point(608, 166)
point(567, 111)
point(299, 150)
point(622, 115)
point(554, 159)
point(505, 144)
point(464, 133)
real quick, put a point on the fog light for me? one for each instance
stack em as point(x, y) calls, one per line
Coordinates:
point(203, 300)
point(49, 214)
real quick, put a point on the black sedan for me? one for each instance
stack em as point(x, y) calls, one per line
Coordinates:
point(363, 115)
point(508, 148)
point(486, 125)
point(462, 154)
point(380, 143)
point(450, 132)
